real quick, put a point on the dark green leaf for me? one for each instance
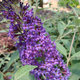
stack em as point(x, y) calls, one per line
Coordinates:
point(13, 58)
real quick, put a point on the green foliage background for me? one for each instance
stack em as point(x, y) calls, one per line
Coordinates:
point(72, 3)
point(61, 27)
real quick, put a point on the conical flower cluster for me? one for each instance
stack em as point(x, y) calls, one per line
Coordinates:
point(35, 45)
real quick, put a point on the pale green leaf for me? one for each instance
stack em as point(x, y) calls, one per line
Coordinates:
point(8, 73)
point(4, 20)
point(67, 45)
point(61, 49)
point(22, 71)
point(3, 31)
point(77, 22)
point(48, 29)
point(1, 76)
point(76, 56)
point(70, 26)
point(53, 37)
point(27, 77)
point(75, 72)
point(60, 28)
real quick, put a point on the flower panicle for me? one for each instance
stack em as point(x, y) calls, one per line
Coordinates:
point(35, 46)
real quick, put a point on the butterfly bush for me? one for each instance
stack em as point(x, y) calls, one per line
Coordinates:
point(34, 44)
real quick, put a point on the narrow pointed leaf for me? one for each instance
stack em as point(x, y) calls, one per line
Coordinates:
point(13, 58)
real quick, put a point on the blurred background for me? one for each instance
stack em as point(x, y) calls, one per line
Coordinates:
point(60, 18)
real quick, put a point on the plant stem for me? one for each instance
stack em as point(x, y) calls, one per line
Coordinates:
point(29, 2)
point(64, 35)
point(58, 38)
point(68, 59)
point(35, 8)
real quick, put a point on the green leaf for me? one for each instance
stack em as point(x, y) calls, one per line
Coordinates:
point(77, 22)
point(8, 73)
point(53, 37)
point(7, 25)
point(48, 29)
point(61, 49)
point(77, 49)
point(22, 71)
point(71, 17)
point(67, 45)
point(79, 38)
point(13, 58)
point(39, 9)
point(62, 23)
point(1, 76)
point(75, 69)
point(1, 62)
point(70, 26)
point(0, 13)
point(60, 28)
point(27, 77)
point(76, 56)
point(4, 20)
point(2, 31)
point(12, 78)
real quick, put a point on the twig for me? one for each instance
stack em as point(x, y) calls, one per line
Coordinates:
point(64, 35)
point(35, 8)
point(29, 2)
point(58, 38)
point(68, 59)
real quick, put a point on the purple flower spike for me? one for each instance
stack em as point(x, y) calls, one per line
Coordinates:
point(35, 45)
